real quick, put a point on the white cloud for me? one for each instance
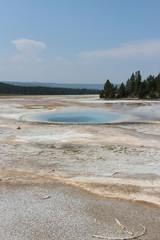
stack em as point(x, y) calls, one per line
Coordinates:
point(60, 60)
point(29, 49)
point(131, 50)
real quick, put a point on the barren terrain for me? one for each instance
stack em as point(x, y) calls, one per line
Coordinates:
point(70, 181)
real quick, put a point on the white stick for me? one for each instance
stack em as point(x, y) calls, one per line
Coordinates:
point(124, 238)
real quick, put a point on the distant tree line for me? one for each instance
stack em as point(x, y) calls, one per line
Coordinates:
point(28, 90)
point(133, 88)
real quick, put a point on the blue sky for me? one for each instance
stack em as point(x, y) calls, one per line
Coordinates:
point(78, 41)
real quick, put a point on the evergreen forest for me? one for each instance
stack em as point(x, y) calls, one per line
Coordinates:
point(133, 88)
point(28, 90)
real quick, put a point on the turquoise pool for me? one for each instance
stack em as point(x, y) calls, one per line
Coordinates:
point(79, 116)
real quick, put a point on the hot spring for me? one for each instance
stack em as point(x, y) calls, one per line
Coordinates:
point(78, 116)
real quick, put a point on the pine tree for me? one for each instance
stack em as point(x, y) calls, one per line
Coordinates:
point(138, 80)
point(109, 90)
point(122, 91)
point(130, 85)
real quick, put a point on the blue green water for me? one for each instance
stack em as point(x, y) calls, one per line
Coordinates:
point(88, 116)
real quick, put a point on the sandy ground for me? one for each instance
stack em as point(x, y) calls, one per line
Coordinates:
point(71, 181)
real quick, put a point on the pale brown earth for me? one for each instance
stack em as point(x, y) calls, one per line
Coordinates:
point(70, 181)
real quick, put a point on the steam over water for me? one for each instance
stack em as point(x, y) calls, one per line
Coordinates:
point(117, 113)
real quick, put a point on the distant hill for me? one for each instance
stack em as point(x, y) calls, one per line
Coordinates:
point(57, 85)
point(11, 89)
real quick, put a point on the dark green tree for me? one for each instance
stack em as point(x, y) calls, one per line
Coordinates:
point(151, 82)
point(138, 80)
point(143, 90)
point(109, 90)
point(130, 85)
point(122, 91)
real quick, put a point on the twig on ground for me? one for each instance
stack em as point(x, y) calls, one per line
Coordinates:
point(46, 197)
point(123, 227)
point(114, 173)
point(133, 235)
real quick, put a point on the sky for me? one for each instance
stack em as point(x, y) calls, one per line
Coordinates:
point(78, 41)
